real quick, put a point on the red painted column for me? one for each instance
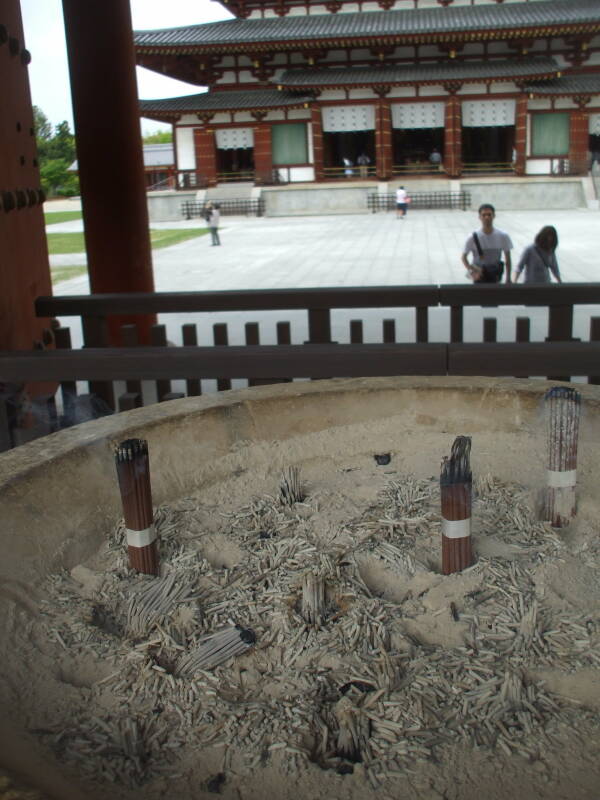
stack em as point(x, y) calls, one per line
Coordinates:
point(263, 156)
point(521, 135)
point(206, 155)
point(453, 137)
point(578, 143)
point(24, 269)
point(109, 151)
point(317, 140)
point(383, 140)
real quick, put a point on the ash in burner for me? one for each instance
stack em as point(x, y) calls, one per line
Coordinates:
point(422, 662)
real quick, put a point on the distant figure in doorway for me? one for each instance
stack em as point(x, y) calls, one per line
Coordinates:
point(401, 202)
point(539, 259)
point(347, 167)
point(435, 158)
point(213, 224)
point(363, 162)
point(487, 246)
point(595, 159)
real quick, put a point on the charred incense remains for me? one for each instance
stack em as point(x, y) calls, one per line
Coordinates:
point(563, 410)
point(455, 489)
point(133, 472)
point(313, 598)
point(290, 487)
point(354, 730)
point(216, 648)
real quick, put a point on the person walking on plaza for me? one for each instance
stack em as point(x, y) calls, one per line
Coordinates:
point(401, 202)
point(487, 247)
point(539, 259)
point(363, 162)
point(213, 224)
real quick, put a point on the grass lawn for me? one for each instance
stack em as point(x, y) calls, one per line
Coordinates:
point(59, 274)
point(52, 217)
point(74, 242)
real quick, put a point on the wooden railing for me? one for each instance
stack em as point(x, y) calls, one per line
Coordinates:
point(558, 357)
point(488, 167)
point(387, 202)
point(228, 207)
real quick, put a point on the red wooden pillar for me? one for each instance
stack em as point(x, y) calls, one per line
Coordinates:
point(521, 135)
point(383, 140)
point(206, 155)
point(263, 156)
point(109, 152)
point(578, 142)
point(453, 135)
point(24, 269)
point(317, 140)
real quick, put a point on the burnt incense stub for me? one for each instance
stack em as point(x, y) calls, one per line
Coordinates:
point(562, 411)
point(133, 472)
point(455, 489)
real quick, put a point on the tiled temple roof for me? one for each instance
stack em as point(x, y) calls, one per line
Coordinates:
point(373, 26)
point(568, 84)
point(224, 101)
point(516, 68)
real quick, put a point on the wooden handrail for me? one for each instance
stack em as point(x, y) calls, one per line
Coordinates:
point(317, 361)
point(101, 305)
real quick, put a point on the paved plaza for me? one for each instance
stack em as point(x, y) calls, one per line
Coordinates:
point(353, 250)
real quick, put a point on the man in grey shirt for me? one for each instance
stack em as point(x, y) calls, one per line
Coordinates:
point(487, 246)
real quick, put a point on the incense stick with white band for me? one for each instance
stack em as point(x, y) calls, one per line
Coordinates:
point(563, 411)
point(455, 489)
point(133, 472)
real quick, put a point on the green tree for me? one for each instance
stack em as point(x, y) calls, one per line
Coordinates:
point(160, 137)
point(41, 125)
point(56, 153)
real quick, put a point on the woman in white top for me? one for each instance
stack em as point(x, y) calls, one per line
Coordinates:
point(539, 259)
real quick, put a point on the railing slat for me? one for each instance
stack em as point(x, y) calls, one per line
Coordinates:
point(129, 337)
point(356, 331)
point(221, 339)
point(158, 338)
point(95, 334)
point(189, 335)
point(68, 389)
point(389, 331)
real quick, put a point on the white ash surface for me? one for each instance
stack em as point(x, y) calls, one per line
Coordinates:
point(414, 684)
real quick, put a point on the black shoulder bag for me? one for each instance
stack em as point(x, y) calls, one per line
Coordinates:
point(488, 274)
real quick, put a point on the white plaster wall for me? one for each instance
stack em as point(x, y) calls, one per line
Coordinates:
point(184, 142)
point(188, 119)
point(425, 91)
point(299, 113)
point(496, 88)
point(472, 88)
point(243, 116)
point(538, 104)
point(362, 94)
point(564, 102)
point(229, 76)
point(246, 76)
point(332, 94)
point(538, 166)
point(301, 174)
point(220, 119)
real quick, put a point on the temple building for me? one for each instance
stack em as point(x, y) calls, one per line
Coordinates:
point(306, 91)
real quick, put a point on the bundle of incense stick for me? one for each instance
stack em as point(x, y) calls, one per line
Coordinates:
point(455, 489)
point(216, 648)
point(354, 730)
point(133, 472)
point(313, 598)
point(563, 410)
point(157, 601)
point(290, 487)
